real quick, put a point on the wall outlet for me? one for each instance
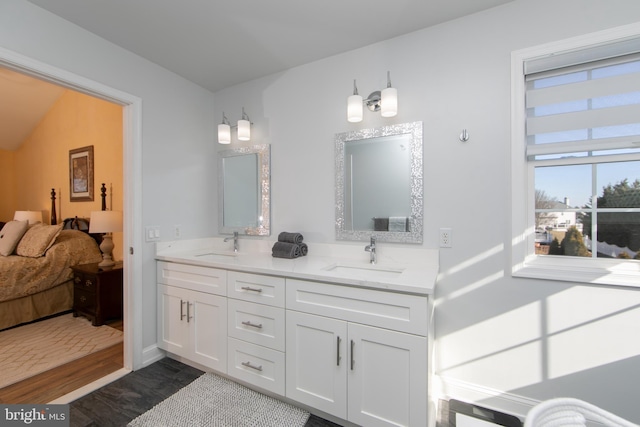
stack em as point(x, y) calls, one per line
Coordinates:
point(177, 231)
point(446, 240)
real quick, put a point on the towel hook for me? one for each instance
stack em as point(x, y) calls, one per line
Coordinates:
point(464, 136)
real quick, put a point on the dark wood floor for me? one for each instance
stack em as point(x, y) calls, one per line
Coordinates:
point(124, 399)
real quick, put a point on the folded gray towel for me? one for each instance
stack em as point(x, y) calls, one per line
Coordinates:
point(290, 237)
point(381, 224)
point(285, 250)
point(303, 249)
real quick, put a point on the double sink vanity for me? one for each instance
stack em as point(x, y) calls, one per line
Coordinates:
point(329, 330)
point(333, 331)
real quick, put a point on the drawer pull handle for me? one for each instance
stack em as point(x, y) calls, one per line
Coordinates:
point(338, 351)
point(253, 325)
point(77, 279)
point(88, 283)
point(249, 365)
point(353, 344)
point(181, 310)
point(83, 299)
point(249, 288)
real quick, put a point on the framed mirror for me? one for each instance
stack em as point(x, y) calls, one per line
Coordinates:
point(244, 176)
point(379, 184)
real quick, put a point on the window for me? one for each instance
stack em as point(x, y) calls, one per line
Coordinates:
point(576, 159)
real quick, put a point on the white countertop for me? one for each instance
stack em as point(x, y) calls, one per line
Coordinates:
point(399, 269)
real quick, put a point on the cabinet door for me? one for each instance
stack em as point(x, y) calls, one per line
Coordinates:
point(316, 362)
point(387, 377)
point(173, 334)
point(208, 329)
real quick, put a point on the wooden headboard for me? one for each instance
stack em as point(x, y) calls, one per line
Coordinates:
point(54, 218)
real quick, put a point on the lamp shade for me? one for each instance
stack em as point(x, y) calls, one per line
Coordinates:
point(354, 108)
point(105, 222)
point(224, 133)
point(389, 102)
point(32, 216)
point(244, 130)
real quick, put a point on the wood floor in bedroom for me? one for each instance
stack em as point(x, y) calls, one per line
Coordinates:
point(50, 385)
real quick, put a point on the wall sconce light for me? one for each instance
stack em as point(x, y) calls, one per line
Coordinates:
point(243, 126)
point(385, 101)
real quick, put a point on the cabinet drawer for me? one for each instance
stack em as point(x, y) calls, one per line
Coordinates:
point(389, 310)
point(82, 281)
point(84, 299)
point(257, 365)
point(256, 323)
point(203, 279)
point(256, 288)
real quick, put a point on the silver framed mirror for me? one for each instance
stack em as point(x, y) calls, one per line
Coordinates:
point(244, 185)
point(379, 184)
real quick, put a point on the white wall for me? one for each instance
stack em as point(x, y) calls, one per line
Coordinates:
point(501, 341)
point(522, 340)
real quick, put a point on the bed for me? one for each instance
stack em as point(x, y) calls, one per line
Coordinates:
point(36, 276)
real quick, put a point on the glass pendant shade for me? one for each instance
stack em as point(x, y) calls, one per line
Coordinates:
point(244, 130)
point(224, 133)
point(389, 102)
point(354, 108)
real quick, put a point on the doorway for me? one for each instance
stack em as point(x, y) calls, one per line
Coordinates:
point(132, 183)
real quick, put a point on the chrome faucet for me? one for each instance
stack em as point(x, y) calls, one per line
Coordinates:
point(235, 241)
point(372, 249)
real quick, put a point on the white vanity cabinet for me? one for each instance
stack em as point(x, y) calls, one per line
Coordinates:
point(256, 329)
point(193, 323)
point(344, 358)
point(357, 353)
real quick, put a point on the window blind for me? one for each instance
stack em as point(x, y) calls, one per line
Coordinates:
point(592, 106)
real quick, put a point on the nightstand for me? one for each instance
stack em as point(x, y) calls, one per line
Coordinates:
point(97, 293)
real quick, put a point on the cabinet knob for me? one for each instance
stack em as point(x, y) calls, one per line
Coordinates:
point(77, 279)
point(83, 299)
point(88, 283)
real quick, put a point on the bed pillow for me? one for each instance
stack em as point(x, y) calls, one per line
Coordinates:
point(10, 235)
point(37, 240)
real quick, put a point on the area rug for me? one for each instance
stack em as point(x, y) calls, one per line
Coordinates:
point(214, 401)
point(37, 347)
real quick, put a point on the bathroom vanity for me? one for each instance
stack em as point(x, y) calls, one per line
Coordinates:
point(330, 330)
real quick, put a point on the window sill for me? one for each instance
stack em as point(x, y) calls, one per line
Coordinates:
point(597, 272)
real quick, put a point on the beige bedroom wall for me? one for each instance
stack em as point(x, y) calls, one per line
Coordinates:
point(42, 162)
point(7, 185)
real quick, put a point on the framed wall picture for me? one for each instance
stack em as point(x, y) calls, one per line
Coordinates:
point(81, 174)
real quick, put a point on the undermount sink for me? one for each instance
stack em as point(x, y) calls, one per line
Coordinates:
point(219, 256)
point(365, 271)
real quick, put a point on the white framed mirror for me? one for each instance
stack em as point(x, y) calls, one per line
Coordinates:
point(244, 184)
point(379, 184)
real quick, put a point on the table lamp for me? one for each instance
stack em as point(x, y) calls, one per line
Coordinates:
point(33, 217)
point(107, 222)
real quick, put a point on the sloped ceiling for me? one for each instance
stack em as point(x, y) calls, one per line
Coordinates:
point(25, 101)
point(221, 43)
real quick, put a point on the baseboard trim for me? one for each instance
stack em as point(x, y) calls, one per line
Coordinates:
point(509, 403)
point(152, 354)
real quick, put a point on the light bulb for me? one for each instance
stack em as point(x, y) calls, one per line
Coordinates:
point(244, 130)
point(389, 102)
point(354, 108)
point(224, 133)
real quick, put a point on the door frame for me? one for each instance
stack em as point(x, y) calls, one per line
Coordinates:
point(131, 185)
